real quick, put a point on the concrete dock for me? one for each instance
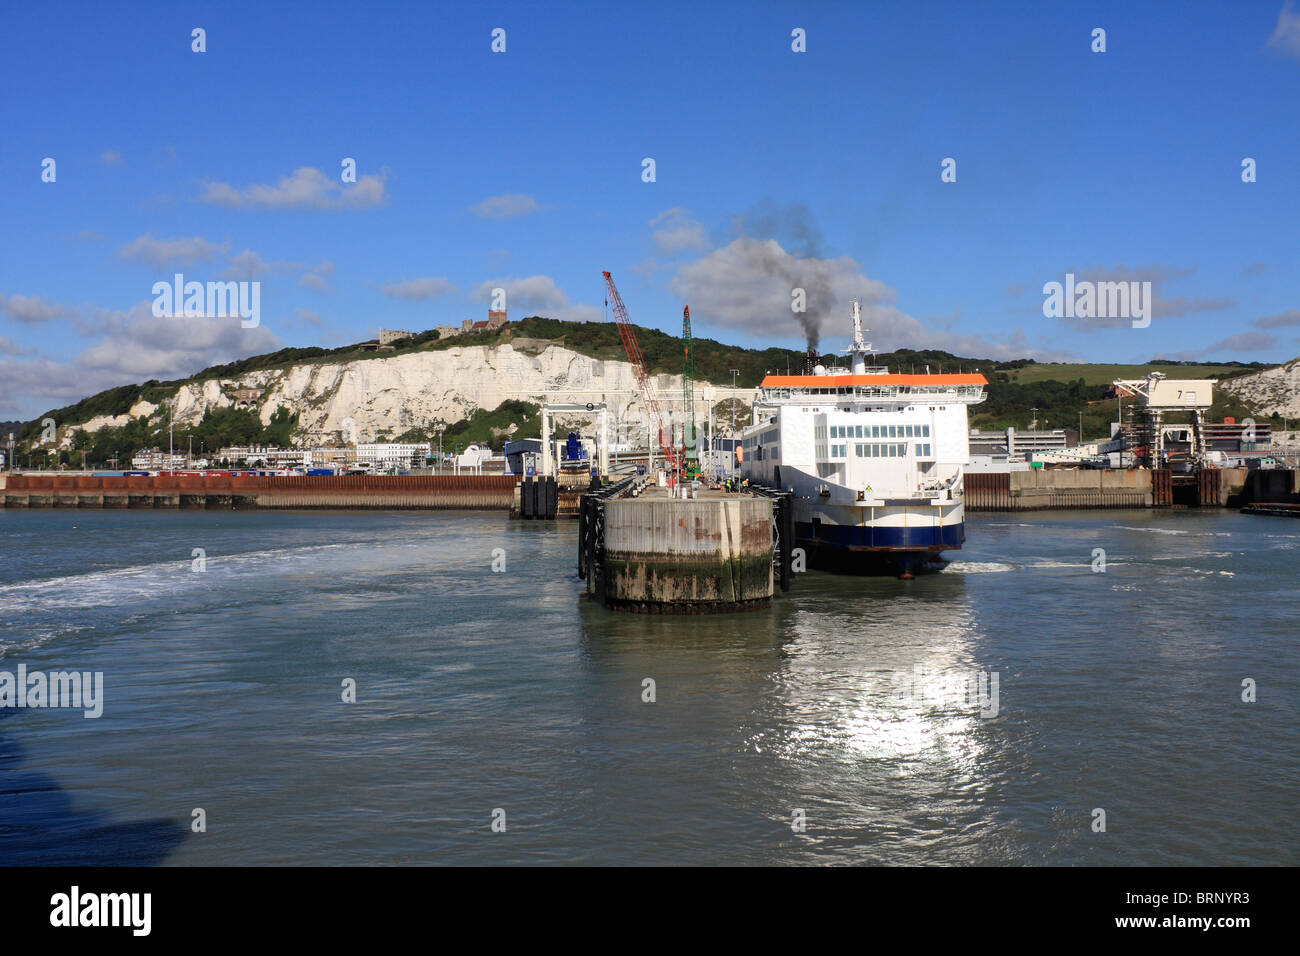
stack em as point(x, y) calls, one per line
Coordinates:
point(1087, 488)
point(657, 554)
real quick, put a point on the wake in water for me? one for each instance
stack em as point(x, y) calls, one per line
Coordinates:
point(977, 567)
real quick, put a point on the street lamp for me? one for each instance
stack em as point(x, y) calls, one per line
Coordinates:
point(734, 373)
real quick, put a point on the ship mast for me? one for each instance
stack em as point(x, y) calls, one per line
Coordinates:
point(858, 349)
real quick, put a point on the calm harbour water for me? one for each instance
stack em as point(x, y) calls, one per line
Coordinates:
point(479, 690)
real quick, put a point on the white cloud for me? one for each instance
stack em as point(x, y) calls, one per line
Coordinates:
point(111, 158)
point(1282, 320)
point(9, 347)
point(307, 188)
point(507, 206)
point(1243, 342)
point(416, 290)
point(139, 346)
point(247, 265)
point(534, 292)
point(135, 347)
point(1162, 306)
point(1286, 35)
point(315, 282)
point(538, 294)
point(678, 232)
point(31, 310)
point(162, 253)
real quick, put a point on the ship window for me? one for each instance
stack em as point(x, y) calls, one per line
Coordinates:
point(859, 434)
point(892, 432)
point(925, 431)
point(875, 431)
point(909, 432)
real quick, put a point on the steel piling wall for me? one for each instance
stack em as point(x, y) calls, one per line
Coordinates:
point(259, 491)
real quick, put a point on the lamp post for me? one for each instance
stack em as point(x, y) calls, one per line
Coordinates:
point(734, 373)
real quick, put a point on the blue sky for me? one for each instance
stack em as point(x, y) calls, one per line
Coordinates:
point(523, 170)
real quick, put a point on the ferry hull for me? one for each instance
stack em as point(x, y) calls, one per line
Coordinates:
point(878, 549)
point(876, 538)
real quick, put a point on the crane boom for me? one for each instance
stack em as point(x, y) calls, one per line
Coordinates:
point(688, 388)
point(649, 397)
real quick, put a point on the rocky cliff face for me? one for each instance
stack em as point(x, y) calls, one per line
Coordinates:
point(388, 396)
point(1273, 391)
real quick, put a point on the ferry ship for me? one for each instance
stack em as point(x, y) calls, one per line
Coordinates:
point(874, 460)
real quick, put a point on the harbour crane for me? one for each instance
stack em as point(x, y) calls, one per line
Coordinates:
point(649, 396)
point(688, 394)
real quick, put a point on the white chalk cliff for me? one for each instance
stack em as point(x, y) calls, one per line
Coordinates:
point(389, 395)
point(1271, 391)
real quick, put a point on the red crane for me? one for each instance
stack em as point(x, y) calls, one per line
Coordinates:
point(648, 395)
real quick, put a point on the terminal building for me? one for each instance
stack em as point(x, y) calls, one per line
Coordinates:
point(1013, 445)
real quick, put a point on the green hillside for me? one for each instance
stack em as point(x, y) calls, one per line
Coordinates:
point(1059, 392)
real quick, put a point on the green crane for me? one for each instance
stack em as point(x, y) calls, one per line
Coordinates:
point(688, 395)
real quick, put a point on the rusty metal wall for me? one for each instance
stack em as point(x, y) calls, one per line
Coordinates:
point(270, 491)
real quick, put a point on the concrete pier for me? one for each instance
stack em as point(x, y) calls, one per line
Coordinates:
point(661, 555)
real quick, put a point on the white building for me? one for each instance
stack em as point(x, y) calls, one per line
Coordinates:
point(157, 461)
point(474, 457)
point(396, 455)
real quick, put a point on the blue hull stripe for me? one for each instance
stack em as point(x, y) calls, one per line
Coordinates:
point(872, 538)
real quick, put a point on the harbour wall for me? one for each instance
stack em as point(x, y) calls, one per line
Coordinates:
point(258, 491)
point(1088, 488)
point(1030, 490)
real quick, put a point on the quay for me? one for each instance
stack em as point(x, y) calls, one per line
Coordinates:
point(1099, 488)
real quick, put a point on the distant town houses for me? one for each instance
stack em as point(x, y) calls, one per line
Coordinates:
point(379, 456)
